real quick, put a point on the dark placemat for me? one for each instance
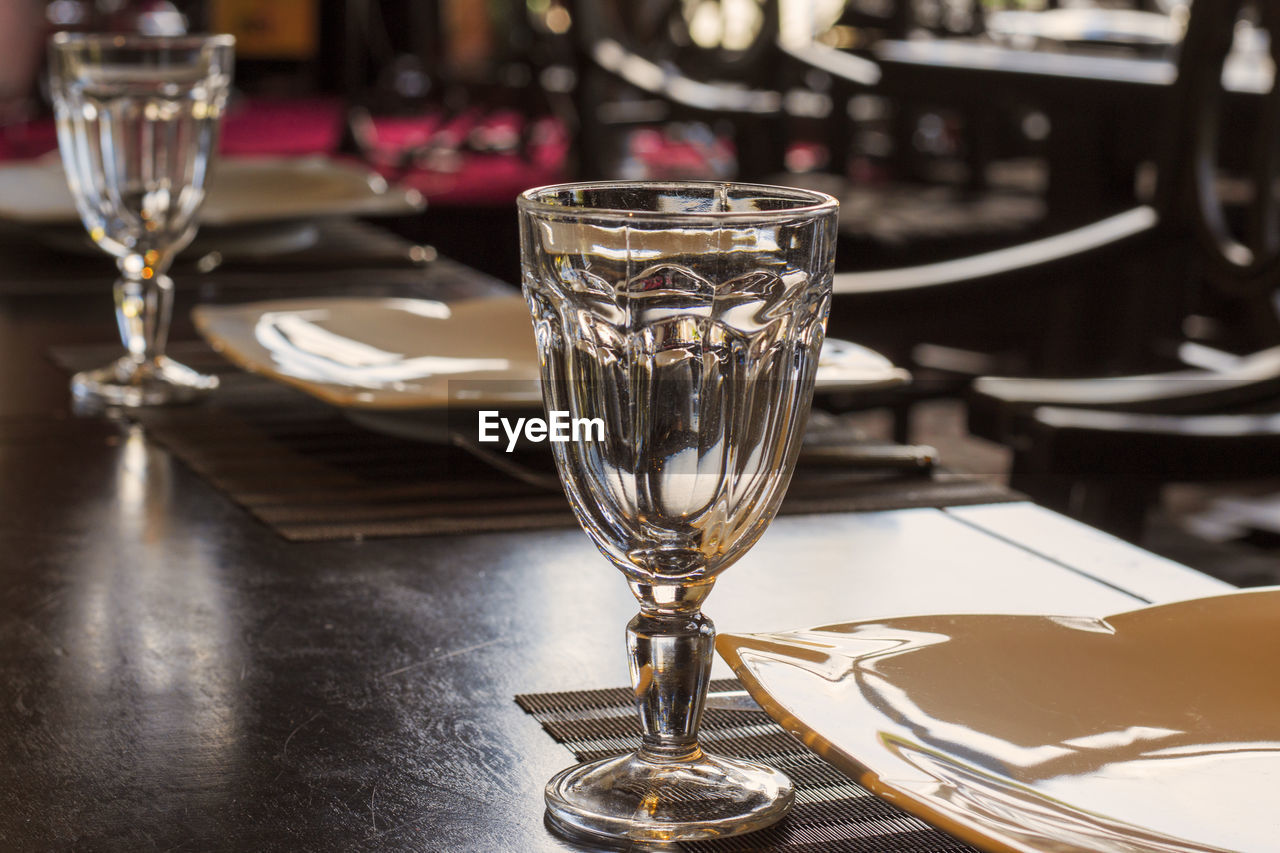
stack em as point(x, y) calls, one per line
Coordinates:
point(274, 257)
point(311, 474)
point(832, 813)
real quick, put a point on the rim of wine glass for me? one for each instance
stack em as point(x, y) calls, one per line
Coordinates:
point(138, 41)
point(817, 202)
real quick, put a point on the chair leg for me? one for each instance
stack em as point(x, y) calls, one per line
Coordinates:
point(901, 413)
point(1048, 490)
point(1117, 506)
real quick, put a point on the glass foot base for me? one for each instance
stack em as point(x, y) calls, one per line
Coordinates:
point(130, 383)
point(640, 800)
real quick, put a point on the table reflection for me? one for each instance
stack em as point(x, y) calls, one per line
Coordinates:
point(149, 658)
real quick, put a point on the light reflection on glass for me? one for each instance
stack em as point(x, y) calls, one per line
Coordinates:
point(601, 240)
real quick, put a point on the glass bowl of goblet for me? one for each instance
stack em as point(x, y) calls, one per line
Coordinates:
point(688, 318)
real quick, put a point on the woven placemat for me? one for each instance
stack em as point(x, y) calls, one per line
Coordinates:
point(832, 813)
point(311, 474)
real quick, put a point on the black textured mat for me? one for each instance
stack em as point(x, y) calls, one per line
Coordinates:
point(312, 474)
point(832, 813)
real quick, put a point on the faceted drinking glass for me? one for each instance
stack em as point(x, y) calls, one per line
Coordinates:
point(138, 121)
point(688, 317)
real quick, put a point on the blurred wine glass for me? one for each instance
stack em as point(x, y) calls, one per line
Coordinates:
point(138, 120)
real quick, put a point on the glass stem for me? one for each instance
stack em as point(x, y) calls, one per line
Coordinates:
point(143, 308)
point(671, 655)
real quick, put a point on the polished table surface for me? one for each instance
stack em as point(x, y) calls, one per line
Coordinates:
point(178, 677)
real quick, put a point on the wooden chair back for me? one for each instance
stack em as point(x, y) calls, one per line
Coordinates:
point(1244, 258)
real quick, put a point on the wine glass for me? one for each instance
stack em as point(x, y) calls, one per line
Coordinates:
point(689, 318)
point(138, 121)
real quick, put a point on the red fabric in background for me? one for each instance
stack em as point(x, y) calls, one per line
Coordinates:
point(24, 141)
point(314, 126)
point(259, 127)
point(471, 177)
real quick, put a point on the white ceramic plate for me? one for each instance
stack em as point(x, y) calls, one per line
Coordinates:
point(242, 191)
point(1153, 731)
point(398, 355)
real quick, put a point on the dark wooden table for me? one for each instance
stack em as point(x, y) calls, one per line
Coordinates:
point(178, 677)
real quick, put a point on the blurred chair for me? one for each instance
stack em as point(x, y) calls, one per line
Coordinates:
point(910, 121)
point(1101, 448)
point(644, 63)
point(752, 68)
point(906, 211)
point(468, 128)
point(21, 47)
point(648, 63)
point(398, 65)
point(916, 172)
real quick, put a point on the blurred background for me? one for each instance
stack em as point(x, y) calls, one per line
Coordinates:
point(683, 89)
point(1025, 191)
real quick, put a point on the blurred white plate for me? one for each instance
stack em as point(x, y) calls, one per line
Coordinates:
point(396, 355)
point(242, 191)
